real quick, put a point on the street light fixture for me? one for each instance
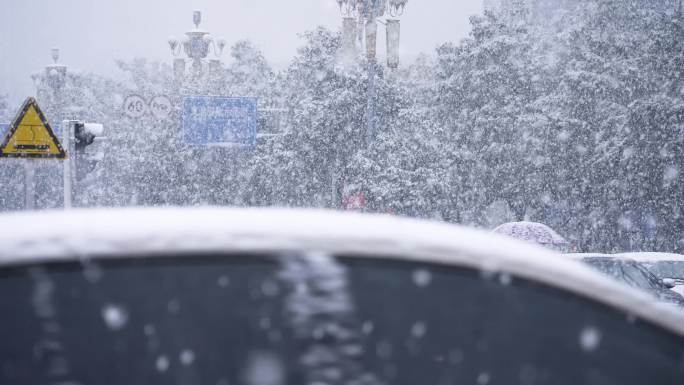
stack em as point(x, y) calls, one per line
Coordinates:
point(367, 11)
point(369, 8)
point(396, 7)
point(347, 7)
point(196, 45)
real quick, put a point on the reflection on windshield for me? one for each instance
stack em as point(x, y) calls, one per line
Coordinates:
point(628, 271)
point(322, 315)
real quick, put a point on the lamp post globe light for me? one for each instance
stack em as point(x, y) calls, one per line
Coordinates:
point(196, 44)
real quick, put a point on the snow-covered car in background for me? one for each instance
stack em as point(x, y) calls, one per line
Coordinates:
point(666, 266)
point(271, 297)
point(533, 232)
point(633, 273)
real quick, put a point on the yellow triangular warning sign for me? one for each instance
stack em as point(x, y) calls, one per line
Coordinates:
point(30, 135)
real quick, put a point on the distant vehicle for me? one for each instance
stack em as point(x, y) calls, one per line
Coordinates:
point(632, 273)
point(534, 232)
point(276, 297)
point(666, 266)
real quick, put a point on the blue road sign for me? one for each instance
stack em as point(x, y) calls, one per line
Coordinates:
point(209, 120)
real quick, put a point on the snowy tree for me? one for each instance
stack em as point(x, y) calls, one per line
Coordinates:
point(4, 109)
point(483, 105)
point(404, 168)
point(576, 129)
point(249, 74)
point(326, 122)
point(606, 78)
point(11, 172)
point(651, 176)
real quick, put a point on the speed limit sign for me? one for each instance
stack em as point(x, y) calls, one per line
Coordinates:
point(134, 106)
point(160, 106)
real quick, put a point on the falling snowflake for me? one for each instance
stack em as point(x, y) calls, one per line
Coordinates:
point(115, 316)
point(422, 277)
point(590, 338)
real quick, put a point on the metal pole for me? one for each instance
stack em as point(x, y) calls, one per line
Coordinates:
point(66, 142)
point(371, 47)
point(336, 200)
point(371, 102)
point(29, 179)
point(333, 188)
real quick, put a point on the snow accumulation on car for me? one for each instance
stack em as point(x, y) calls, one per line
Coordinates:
point(225, 296)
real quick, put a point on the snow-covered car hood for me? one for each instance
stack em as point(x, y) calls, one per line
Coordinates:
point(127, 233)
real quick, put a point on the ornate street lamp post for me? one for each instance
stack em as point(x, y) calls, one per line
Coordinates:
point(196, 45)
point(367, 12)
point(50, 85)
point(359, 21)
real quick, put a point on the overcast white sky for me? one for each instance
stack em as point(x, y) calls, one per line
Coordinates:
point(92, 33)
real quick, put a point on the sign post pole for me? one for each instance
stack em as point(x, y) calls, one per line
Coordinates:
point(66, 139)
point(29, 180)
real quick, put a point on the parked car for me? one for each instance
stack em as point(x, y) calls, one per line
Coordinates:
point(667, 266)
point(270, 297)
point(632, 273)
